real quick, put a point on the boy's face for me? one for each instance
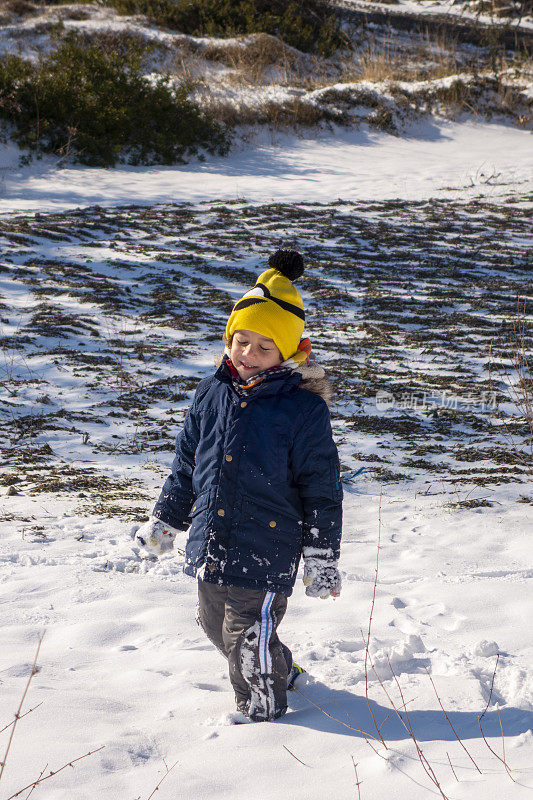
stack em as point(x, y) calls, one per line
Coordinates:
point(251, 353)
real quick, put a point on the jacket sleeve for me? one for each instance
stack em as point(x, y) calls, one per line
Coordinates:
point(316, 470)
point(177, 496)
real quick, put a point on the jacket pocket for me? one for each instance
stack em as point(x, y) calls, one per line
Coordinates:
point(196, 542)
point(268, 514)
point(200, 504)
point(267, 542)
point(335, 472)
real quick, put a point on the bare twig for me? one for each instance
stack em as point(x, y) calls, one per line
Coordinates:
point(491, 687)
point(449, 722)
point(367, 653)
point(19, 709)
point(428, 769)
point(365, 735)
point(402, 708)
point(35, 785)
point(53, 772)
point(21, 716)
point(296, 757)
point(494, 753)
point(357, 781)
point(502, 760)
point(368, 659)
point(503, 738)
point(451, 767)
point(168, 771)
point(42, 777)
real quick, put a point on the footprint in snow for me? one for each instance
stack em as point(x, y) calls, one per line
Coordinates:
point(208, 687)
point(347, 646)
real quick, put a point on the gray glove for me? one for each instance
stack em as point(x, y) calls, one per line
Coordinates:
point(156, 536)
point(321, 577)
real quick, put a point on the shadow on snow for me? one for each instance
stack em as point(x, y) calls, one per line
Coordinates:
point(349, 709)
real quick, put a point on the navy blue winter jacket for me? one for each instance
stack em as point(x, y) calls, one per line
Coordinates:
point(259, 476)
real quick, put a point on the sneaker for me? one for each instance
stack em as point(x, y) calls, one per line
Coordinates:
point(295, 672)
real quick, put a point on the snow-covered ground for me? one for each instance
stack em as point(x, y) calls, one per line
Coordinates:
point(124, 665)
point(456, 161)
point(463, 10)
point(109, 315)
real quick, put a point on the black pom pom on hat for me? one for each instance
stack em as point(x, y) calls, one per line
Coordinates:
point(289, 262)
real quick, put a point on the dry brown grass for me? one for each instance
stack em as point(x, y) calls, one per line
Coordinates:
point(258, 60)
point(391, 111)
point(288, 115)
point(254, 55)
point(483, 96)
point(261, 59)
point(386, 61)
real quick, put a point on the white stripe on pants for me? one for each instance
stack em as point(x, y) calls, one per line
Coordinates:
point(267, 626)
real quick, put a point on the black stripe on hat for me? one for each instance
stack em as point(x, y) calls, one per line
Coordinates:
point(265, 289)
point(247, 301)
point(251, 301)
point(283, 303)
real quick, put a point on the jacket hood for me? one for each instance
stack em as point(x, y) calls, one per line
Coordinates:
point(314, 379)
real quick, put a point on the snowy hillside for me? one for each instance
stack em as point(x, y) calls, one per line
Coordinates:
point(416, 309)
point(395, 73)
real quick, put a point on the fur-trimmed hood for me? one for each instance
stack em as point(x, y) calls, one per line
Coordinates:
point(314, 379)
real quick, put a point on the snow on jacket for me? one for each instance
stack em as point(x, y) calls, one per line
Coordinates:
point(260, 478)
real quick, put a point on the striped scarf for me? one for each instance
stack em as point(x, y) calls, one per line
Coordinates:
point(247, 387)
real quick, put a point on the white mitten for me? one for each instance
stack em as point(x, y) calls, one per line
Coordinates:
point(321, 578)
point(156, 536)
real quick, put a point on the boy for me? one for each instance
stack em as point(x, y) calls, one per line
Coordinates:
point(256, 476)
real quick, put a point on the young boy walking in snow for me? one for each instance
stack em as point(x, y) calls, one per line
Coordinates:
point(256, 477)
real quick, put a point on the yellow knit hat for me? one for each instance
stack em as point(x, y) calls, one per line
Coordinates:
point(274, 307)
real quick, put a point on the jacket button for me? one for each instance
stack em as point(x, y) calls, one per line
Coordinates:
point(272, 523)
point(229, 458)
point(244, 404)
point(221, 512)
point(211, 567)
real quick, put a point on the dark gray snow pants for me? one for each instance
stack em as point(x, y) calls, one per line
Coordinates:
point(242, 624)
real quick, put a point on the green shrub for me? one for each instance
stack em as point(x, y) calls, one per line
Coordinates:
point(309, 25)
point(91, 100)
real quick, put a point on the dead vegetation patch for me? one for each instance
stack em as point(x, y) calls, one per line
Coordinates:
point(384, 60)
point(391, 108)
point(55, 322)
point(384, 475)
point(289, 114)
point(480, 502)
point(496, 455)
point(409, 301)
point(84, 481)
point(485, 96)
point(256, 55)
